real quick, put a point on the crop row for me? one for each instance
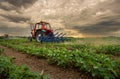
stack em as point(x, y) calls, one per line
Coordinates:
point(85, 59)
point(1, 50)
point(105, 49)
point(10, 71)
point(109, 49)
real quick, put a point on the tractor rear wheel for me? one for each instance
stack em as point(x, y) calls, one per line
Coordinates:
point(38, 35)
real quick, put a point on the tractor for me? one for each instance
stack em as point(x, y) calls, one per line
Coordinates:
point(43, 32)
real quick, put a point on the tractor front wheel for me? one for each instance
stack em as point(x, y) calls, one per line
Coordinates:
point(29, 38)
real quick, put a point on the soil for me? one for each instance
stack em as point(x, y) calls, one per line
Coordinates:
point(39, 64)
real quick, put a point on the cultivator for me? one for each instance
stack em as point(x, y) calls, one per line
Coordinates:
point(43, 32)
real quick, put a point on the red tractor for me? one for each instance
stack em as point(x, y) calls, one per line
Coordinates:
point(43, 32)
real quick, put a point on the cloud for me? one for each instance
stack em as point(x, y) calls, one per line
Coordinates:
point(101, 28)
point(78, 17)
point(20, 3)
point(18, 31)
point(15, 18)
point(16, 5)
point(7, 6)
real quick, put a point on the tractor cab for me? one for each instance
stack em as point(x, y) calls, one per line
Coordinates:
point(43, 26)
point(40, 26)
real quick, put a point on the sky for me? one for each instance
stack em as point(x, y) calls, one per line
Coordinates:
point(77, 18)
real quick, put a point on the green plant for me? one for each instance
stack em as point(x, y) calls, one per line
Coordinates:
point(84, 57)
point(109, 49)
point(10, 71)
point(1, 50)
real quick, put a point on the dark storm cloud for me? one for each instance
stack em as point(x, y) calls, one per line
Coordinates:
point(113, 5)
point(15, 18)
point(16, 4)
point(15, 30)
point(8, 8)
point(102, 19)
point(117, 1)
point(101, 28)
point(19, 3)
point(12, 14)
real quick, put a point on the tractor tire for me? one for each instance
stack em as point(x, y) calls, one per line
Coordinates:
point(38, 35)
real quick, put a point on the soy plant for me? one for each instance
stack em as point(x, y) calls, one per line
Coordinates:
point(1, 50)
point(62, 57)
point(10, 71)
point(109, 49)
point(96, 64)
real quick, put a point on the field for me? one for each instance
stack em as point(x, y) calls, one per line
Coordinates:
point(98, 57)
